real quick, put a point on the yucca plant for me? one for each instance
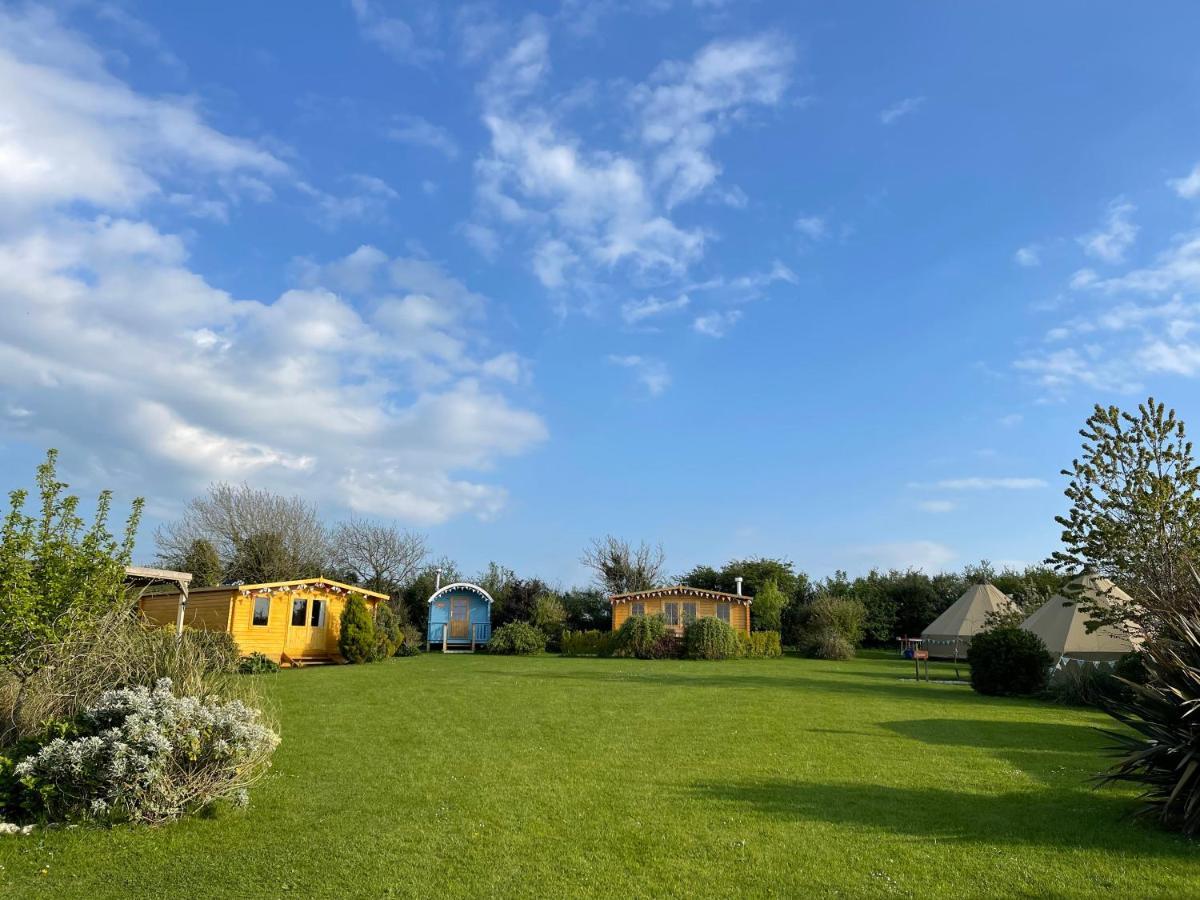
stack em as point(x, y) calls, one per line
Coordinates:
point(1163, 755)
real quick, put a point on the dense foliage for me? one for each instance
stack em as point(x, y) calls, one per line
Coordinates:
point(356, 637)
point(56, 572)
point(592, 642)
point(410, 643)
point(831, 627)
point(257, 664)
point(1135, 515)
point(389, 631)
point(710, 638)
point(144, 755)
point(517, 639)
point(643, 637)
point(1162, 756)
point(760, 645)
point(1009, 661)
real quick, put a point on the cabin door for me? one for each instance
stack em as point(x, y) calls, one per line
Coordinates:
point(297, 632)
point(317, 617)
point(460, 618)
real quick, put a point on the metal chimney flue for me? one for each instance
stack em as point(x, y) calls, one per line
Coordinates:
point(738, 582)
point(438, 581)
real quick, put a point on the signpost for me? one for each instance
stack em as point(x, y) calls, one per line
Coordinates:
point(921, 656)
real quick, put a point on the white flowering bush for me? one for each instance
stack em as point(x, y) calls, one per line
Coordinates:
point(150, 756)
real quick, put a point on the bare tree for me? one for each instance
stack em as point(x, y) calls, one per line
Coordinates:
point(380, 557)
point(258, 535)
point(620, 568)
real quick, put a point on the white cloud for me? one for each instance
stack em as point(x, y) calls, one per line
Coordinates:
point(485, 240)
point(371, 384)
point(652, 374)
point(423, 133)
point(366, 199)
point(684, 106)
point(1028, 256)
point(937, 506)
point(1110, 242)
point(900, 109)
point(977, 483)
point(928, 556)
point(71, 133)
point(812, 227)
point(393, 35)
point(716, 324)
point(1011, 420)
point(1188, 186)
point(635, 311)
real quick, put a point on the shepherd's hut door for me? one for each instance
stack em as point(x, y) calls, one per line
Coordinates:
point(460, 618)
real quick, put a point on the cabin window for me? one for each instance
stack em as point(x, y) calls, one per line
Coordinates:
point(723, 612)
point(689, 613)
point(671, 613)
point(299, 608)
point(317, 620)
point(637, 609)
point(262, 610)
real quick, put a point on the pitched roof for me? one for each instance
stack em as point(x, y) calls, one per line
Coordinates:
point(679, 590)
point(338, 587)
point(968, 614)
point(1062, 625)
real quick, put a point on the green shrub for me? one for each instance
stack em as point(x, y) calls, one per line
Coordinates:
point(147, 756)
point(389, 632)
point(1159, 750)
point(257, 664)
point(767, 609)
point(517, 639)
point(710, 638)
point(669, 646)
point(549, 616)
point(410, 641)
point(1082, 684)
point(588, 643)
point(832, 627)
point(639, 636)
point(760, 645)
point(356, 637)
point(1008, 661)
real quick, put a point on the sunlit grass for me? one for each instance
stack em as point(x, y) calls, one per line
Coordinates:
point(455, 775)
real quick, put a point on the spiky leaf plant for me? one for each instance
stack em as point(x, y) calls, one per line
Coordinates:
point(1163, 755)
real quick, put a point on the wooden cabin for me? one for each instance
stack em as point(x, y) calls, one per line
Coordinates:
point(460, 617)
point(681, 605)
point(292, 622)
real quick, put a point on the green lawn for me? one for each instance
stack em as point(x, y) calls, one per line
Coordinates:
point(461, 775)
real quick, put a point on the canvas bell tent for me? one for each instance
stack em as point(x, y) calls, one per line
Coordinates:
point(1062, 625)
point(950, 633)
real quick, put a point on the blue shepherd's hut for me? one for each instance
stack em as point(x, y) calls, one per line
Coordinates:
point(460, 617)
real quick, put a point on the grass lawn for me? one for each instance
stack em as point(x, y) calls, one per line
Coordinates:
point(457, 775)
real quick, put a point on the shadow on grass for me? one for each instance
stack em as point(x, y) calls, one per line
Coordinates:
point(1061, 819)
point(819, 681)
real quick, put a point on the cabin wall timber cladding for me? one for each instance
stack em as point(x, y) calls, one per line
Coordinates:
point(282, 620)
point(677, 604)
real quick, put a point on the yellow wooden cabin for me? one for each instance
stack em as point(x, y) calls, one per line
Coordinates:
point(681, 605)
point(292, 622)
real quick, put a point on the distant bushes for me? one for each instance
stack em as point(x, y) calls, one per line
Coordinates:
point(517, 639)
point(646, 637)
point(588, 643)
point(410, 641)
point(760, 645)
point(830, 627)
point(1009, 661)
point(710, 638)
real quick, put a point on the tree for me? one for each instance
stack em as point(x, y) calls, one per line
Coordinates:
point(754, 572)
point(587, 610)
point(202, 561)
point(356, 635)
point(377, 556)
point(258, 535)
point(767, 609)
point(549, 615)
point(415, 595)
point(620, 568)
point(57, 573)
point(1135, 514)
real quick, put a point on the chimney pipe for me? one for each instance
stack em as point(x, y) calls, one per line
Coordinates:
point(738, 581)
point(438, 583)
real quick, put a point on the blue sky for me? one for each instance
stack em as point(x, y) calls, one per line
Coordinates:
point(830, 282)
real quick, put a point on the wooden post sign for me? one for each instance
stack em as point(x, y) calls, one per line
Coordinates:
point(921, 656)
